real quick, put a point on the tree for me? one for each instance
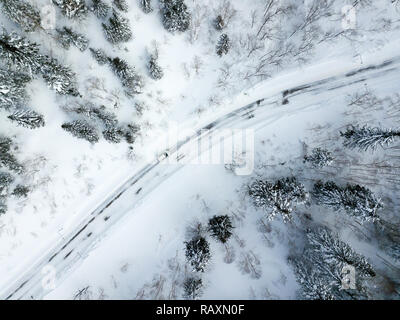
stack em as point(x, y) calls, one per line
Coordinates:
point(364, 138)
point(7, 159)
point(224, 44)
point(18, 52)
point(121, 5)
point(130, 133)
point(24, 55)
point(67, 37)
point(100, 9)
point(82, 129)
point(220, 227)
point(6, 180)
point(198, 253)
point(118, 29)
point(156, 72)
point(319, 269)
point(22, 13)
point(21, 191)
point(113, 135)
point(100, 56)
point(219, 23)
point(128, 76)
point(72, 9)
point(319, 158)
point(146, 6)
point(279, 197)
point(28, 118)
point(192, 288)
point(176, 16)
point(58, 77)
point(12, 89)
point(355, 200)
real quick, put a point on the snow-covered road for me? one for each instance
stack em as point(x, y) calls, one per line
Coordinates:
point(78, 242)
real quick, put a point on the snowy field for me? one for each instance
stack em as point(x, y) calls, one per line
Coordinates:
point(106, 217)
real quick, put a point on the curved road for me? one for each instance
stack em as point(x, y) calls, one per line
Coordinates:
point(72, 248)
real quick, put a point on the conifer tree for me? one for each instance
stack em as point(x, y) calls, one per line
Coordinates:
point(21, 191)
point(100, 9)
point(198, 253)
point(67, 37)
point(82, 129)
point(5, 181)
point(7, 159)
point(19, 53)
point(219, 23)
point(365, 138)
point(319, 158)
point(355, 200)
point(128, 76)
point(279, 197)
point(100, 56)
point(155, 70)
point(146, 6)
point(319, 269)
point(22, 13)
point(12, 89)
point(118, 29)
point(72, 9)
point(28, 118)
point(224, 44)
point(176, 16)
point(24, 55)
point(121, 5)
point(192, 288)
point(220, 228)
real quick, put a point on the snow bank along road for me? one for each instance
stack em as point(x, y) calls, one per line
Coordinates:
point(76, 244)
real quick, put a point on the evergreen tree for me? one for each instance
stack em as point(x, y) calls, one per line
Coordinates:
point(82, 129)
point(100, 56)
point(355, 200)
point(18, 52)
point(219, 23)
point(21, 191)
point(320, 266)
point(67, 37)
point(176, 16)
point(131, 132)
point(155, 70)
point(113, 135)
point(118, 29)
point(192, 288)
point(3, 206)
point(28, 119)
point(121, 5)
point(7, 159)
point(198, 253)
point(279, 197)
point(58, 77)
point(224, 44)
point(220, 227)
point(319, 158)
point(12, 88)
point(22, 13)
point(146, 6)
point(364, 138)
point(6, 180)
point(128, 76)
point(23, 55)
point(100, 9)
point(72, 9)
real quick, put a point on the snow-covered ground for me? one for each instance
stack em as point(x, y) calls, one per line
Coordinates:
point(141, 253)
